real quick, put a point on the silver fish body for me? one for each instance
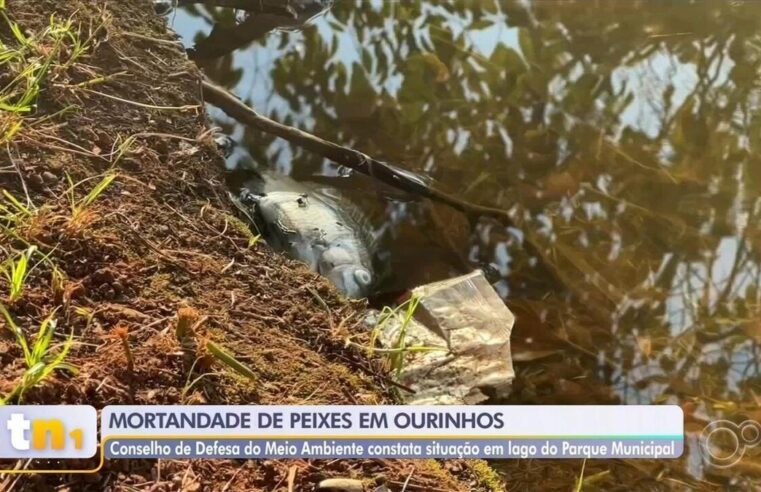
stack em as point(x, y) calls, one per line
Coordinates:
point(333, 241)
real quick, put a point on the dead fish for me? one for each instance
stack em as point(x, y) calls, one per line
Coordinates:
point(225, 144)
point(333, 238)
point(163, 7)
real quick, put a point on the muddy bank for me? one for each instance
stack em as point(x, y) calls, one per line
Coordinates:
point(119, 106)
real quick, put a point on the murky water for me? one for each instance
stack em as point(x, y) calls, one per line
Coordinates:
point(624, 137)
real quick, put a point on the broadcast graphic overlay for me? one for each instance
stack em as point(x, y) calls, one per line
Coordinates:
point(493, 432)
point(340, 432)
point(723, 443)
point(48, 431)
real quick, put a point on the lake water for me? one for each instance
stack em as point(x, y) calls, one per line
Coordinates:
point(623, 137)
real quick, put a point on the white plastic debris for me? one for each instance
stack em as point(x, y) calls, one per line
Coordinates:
point(456, 349)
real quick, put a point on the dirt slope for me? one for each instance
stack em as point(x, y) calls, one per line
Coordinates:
point(159, 239)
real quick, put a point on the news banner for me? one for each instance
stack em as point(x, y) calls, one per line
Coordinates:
point(251, 431)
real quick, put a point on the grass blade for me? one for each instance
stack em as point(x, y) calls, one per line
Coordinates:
point(230, 361)
point(41, 369)
point(14, 328)
point(44, 336)
point(20, 207)
point(580, 480)
point(77, 207)
point(16, 30)
point(97, 190)
point(16, 271)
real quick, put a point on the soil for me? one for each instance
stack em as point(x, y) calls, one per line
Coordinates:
point(160, 239)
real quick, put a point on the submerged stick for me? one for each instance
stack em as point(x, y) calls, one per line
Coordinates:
point(344, 156)
point(250, 5)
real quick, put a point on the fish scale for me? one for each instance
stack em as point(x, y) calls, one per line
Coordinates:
point(328, 239)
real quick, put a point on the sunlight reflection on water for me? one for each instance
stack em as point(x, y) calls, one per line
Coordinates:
point(624, 139)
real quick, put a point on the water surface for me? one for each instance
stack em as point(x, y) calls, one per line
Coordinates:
point(624, 138)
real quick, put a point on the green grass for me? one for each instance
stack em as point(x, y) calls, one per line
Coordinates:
point(16, 271)
point(397, 353)
point(12, 211)
point(41, 358)
point(78, 207)
point(27, 63)
point(400, 348)
point(123, 148)
point(20, 94)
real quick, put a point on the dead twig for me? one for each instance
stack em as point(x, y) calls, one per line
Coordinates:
point(291, 478)
point(407, 482)
point(153, 247)
point(20, 175)
point(139, 104)
point(100, 80)
point(277, 6)
point(345, 156)
point(413, 486)
point(324, 305)
point(134, 35)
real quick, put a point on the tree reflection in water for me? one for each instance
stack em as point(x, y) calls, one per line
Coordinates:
point(624, 137)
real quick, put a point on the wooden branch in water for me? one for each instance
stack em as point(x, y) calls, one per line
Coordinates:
point(250, 5)
point(344, 156)
point(223, 39)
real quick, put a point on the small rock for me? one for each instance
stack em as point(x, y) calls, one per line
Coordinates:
point(341, 485)
point(36, 181)
point(104, 276)
point(107, 292)
point(49, 178)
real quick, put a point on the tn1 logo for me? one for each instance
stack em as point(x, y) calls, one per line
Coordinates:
point(40, 429)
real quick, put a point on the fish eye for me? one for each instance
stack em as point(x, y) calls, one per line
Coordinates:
point(363, 277)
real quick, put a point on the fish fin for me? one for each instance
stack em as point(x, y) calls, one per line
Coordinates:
point(243, 208)
point(247, 211)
